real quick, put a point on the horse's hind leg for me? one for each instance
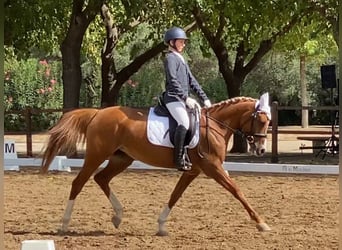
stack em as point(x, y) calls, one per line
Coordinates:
point(117, 163)
point(89, 167)
point(181, 185)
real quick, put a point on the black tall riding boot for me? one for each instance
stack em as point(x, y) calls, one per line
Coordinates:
point(179, 158)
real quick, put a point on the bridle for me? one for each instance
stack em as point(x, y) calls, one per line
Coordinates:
point(249, 136)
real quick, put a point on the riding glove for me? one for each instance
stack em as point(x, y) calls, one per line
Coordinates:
point(207, 103)
point(191, 103)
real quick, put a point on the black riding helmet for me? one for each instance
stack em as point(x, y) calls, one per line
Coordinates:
point(173, 34)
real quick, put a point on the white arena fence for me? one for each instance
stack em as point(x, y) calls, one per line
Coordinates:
point(62, 163)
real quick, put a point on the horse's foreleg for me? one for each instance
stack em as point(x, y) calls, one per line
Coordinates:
point(117, 163)
point(219, 175)
point(182, 184)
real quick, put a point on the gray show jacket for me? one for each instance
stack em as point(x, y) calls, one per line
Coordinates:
point(179, 80)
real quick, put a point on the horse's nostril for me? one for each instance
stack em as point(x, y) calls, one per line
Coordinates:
point(262, 151)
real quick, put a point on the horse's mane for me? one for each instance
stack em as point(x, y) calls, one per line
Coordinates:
point(215, 106)
point(228, 102)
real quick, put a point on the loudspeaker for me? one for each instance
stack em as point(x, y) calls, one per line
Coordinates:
point(328, 76)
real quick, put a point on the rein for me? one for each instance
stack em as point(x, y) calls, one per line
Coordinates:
point(249, 137)
point(237, 131)
point(223, 124)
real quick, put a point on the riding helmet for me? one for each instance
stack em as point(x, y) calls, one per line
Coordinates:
point(174, 33)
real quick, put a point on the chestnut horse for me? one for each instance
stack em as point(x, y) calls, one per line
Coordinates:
point(119, 135)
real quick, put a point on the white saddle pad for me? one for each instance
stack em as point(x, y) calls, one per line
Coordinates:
point(158, 131)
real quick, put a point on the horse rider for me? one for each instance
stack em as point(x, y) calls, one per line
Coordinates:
point(179, 82)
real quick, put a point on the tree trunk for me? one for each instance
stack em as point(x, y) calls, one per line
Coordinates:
point(72, 76)
point(233, 85)
point(108, 70)
point(245, 61)
point(129, 70)
point(71, 50)
point(232, 75)
point(304, 94)
point(112, 80)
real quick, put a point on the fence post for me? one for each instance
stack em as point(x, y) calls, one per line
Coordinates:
point(274, 111)
point(28, 119)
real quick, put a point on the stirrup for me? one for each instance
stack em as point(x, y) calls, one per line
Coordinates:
point(184, 167)
point(185, 164)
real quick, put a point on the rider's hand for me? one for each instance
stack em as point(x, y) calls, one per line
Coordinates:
point(191, 103)
point(207, 103)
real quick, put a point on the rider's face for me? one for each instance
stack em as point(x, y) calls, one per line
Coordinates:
point(179, 45)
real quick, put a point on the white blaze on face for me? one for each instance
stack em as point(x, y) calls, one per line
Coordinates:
point(259, 146)
point(262, 145)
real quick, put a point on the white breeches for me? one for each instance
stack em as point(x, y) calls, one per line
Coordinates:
point(178, 112)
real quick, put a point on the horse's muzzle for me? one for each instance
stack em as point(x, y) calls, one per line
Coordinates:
point(260, 151)
point(257, 149)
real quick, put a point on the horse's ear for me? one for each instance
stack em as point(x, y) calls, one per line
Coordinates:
point(263, 105)
point(264, 99)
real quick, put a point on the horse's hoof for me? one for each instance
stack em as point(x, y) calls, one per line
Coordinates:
point(263, 227)
point(162, 233)
point(116, 221)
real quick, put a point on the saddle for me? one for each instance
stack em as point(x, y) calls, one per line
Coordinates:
point(161, 110)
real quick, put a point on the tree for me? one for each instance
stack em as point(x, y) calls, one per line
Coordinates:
point(311, 39)
point(35, 27)
point(241, 40)
point(44, 20)
point(127, 15)
point(83, 13)
point(113, 79)
point(328, 10)
point(41, 34)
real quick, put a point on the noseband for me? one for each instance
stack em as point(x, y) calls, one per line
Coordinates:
point(249, 136)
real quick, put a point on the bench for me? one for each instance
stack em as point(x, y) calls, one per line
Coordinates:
point(319, 143)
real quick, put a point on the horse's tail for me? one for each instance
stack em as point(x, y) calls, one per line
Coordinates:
point(64, 136)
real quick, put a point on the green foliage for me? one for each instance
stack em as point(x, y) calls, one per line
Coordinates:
point(205, 68)
point(31, 83)
point(144, 87)
point(278, 74)
point(35, 24)
point(310, 37)
point(41, 26)
point(249, 21)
